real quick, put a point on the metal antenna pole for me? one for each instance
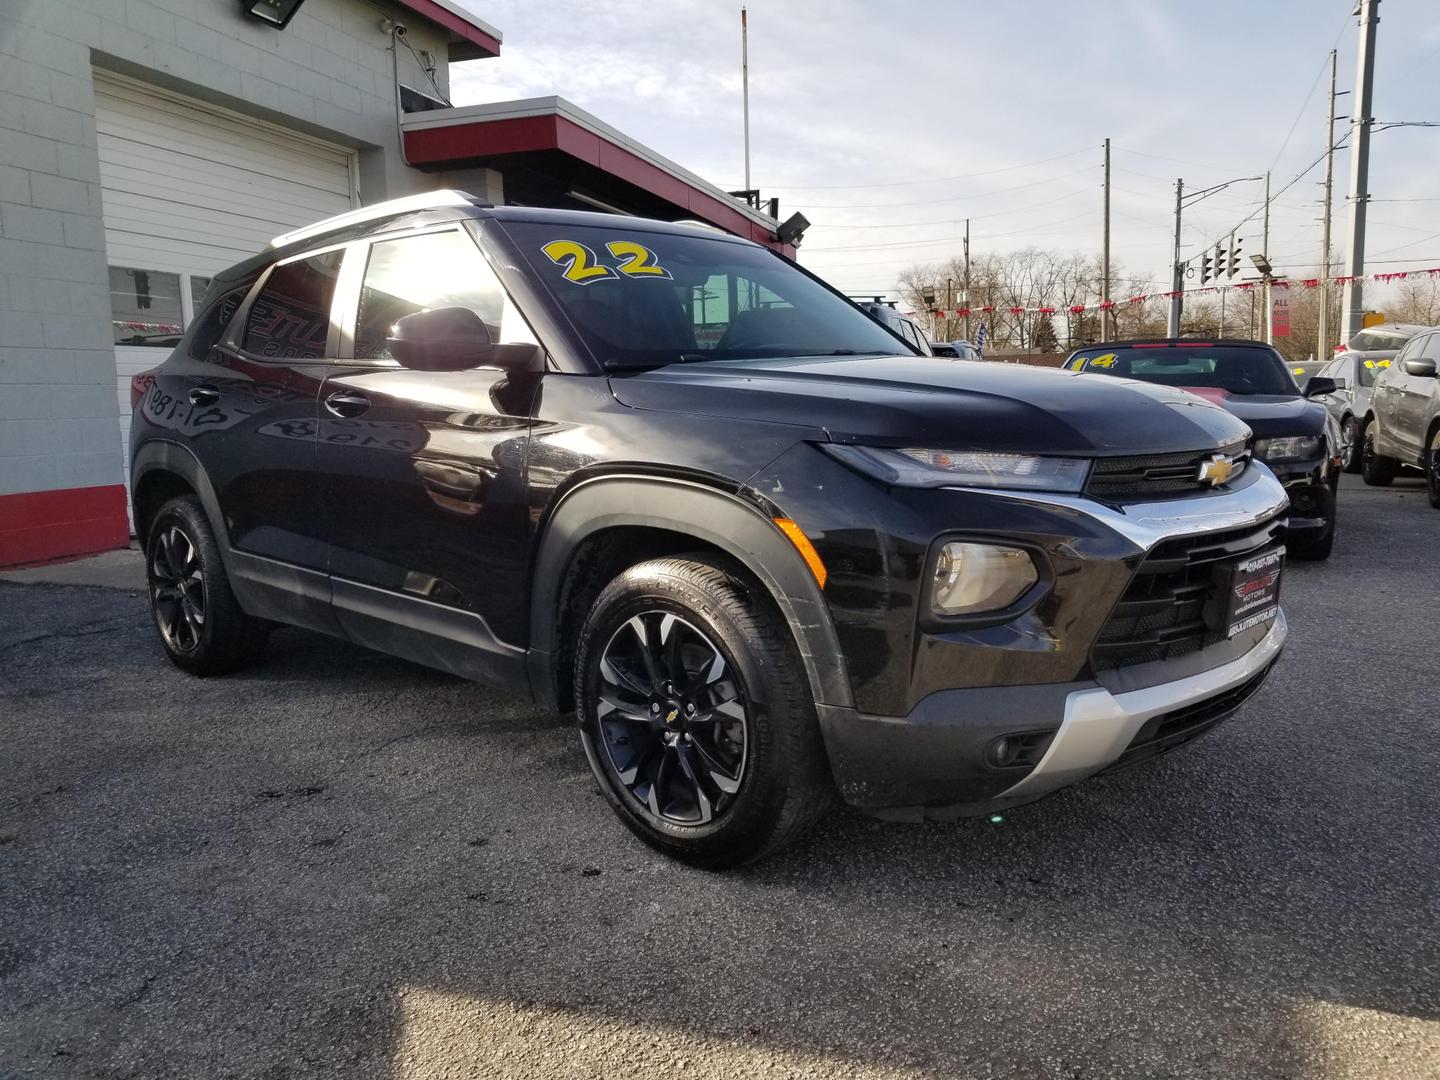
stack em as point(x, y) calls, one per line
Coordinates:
point(967, 280)
point(1322, 341)
point(745, 86)
point(1360, 124)
point(1105, 256)
point(1177, 277)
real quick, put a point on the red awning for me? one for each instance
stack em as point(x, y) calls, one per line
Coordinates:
point(552, 135)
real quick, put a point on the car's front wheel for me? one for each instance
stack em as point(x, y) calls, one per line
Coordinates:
point(1376, 469)
point(1432, 469)
point(696, 715)
point(201, 625)
point(1350, 445)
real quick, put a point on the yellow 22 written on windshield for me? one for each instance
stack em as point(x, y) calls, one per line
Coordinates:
point(581, 267)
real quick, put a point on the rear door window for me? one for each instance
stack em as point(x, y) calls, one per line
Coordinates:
point(290, 319)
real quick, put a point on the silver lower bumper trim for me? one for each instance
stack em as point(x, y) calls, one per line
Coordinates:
point(1099, 725)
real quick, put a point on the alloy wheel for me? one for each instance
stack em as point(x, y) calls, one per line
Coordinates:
point(177, 589)
point(1350, 436)
point(1432, 467)
point(673, 718)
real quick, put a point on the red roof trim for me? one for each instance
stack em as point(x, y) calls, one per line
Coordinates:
point(514, 135)
point(486, 44)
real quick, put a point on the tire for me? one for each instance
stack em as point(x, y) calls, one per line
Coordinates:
point(728, 767)
point(1432, 468)
point(200, 623)
point(1351, 435)
point(1376, 469)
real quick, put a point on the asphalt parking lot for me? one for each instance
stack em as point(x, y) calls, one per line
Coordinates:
point(338, 864)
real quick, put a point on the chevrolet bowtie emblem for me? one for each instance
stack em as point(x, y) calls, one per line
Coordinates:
point(671, 715)
point(1216, 470)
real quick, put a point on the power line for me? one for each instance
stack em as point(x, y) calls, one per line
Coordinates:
point(973, 217)
point(947, 199)
point(935, 180)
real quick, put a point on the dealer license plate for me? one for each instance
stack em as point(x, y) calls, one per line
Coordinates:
point(1247, 592)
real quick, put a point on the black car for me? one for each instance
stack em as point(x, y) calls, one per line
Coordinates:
point(668, 481)
point(1294, 436)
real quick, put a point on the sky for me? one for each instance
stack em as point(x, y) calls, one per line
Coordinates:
point(887, 124)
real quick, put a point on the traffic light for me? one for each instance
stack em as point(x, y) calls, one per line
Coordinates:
point(1204, 268)
point(1234, 255)
point(928, 295)
point(1219, 262)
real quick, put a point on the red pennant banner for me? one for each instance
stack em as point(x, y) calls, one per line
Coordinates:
point(1310, 282)
point(1017, 311)
point(1046, 310)
point(1398, 275)
point(987, 309)
point(1077, 309)
point(1106, 305)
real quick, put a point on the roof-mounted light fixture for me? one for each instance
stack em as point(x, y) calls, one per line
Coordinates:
point(276, 13)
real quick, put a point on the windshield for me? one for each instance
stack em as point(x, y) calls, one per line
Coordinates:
point(642, 298)
point(1215, 367)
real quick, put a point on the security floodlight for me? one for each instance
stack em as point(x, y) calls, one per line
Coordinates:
point(276, 13)
point(1262, 264)
point(792, 229)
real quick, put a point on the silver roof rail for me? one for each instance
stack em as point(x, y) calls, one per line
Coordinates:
point(426, 200)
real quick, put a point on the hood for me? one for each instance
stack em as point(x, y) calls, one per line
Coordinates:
point(1268, 415)
point(924, 401)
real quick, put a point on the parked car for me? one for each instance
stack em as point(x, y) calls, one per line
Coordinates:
point(899, 324)
point(672, 483)
point(1403, 425)
point(1383, 341)
point(1294, 436)
point(1354, 376)
point(955, 350)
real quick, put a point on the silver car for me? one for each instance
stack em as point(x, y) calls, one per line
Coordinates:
point(1354, 374)
point(1404, 417)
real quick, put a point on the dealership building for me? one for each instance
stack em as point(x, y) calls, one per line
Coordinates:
point(147, 144)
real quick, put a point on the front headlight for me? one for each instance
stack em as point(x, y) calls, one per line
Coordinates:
point(964, 468)
point(972, 578)
point(1290, 448)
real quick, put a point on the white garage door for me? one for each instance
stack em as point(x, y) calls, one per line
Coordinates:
point(188, 190)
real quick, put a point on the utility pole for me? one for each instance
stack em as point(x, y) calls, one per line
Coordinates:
point(1177, 277)
point(1322, 340)
point(967, 281)
point(1265, 251)
point(1105, 256)
point(745, 87)
point(1360, 124)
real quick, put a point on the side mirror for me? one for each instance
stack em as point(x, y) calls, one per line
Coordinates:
point(453, 339)
point(1315, 386)
point(1342, 384)
point(1423, 368)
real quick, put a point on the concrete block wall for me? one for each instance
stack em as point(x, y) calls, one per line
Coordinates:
point(327, 74)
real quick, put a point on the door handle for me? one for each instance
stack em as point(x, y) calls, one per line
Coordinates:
point(347, 403)
point(201, 396)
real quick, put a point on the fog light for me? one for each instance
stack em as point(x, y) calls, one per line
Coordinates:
point(1001, 752)
point(971, 578)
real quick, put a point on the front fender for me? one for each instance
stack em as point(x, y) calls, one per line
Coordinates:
point(714, 517)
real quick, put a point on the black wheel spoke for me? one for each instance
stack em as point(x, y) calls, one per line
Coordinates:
point(724, 777)
point(693, 772)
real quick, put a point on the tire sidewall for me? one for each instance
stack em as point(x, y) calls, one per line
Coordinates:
point(761, 793)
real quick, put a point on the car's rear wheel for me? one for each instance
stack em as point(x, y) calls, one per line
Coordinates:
point(1350, 445)
point(201, 625)
point(1432, 469)
point(1376, 469)
point(696, 715)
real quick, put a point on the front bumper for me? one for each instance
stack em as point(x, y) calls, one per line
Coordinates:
point(1310, 486)
point(932, 763)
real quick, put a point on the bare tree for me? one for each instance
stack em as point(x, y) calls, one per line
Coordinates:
point(1417, 302)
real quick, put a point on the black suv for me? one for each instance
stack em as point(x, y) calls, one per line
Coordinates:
point(667, 480)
